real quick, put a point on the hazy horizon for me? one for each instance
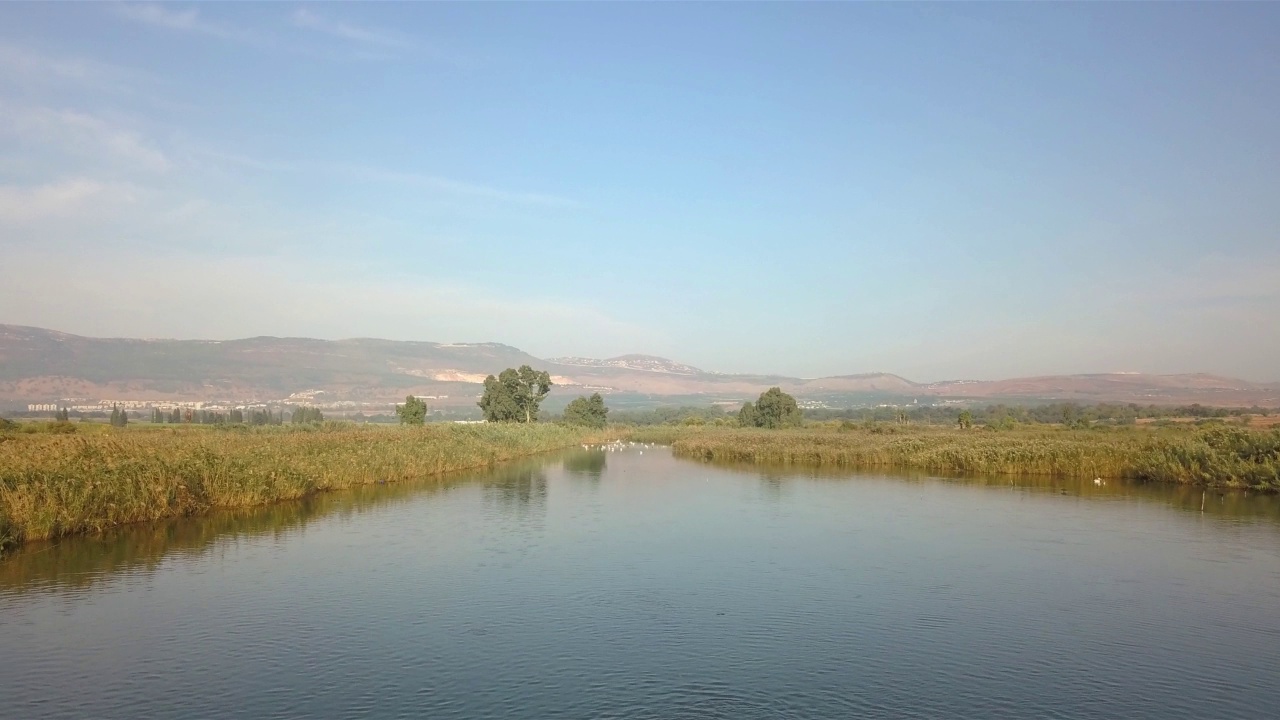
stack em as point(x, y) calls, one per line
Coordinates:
point(755, 372)
point(934, 191)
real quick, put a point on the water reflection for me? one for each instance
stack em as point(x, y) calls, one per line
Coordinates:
point(1231, 504)
point(519, 491)
point(589, 463)
point(676, 587)
point(80, 561)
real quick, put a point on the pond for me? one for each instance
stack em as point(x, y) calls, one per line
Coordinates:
point(634, 584)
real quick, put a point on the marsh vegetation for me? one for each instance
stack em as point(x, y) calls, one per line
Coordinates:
point(54, 484)
point(1217, 456)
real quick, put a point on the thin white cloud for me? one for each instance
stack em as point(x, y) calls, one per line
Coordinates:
point(424, 181)
point(80, 133)
point(461, 187)
point(188, 20)
point(309, 20)
point(23, 204)
point(24, 64)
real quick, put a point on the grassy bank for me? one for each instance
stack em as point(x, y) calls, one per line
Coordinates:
point(1218, 457)
point(55, 484)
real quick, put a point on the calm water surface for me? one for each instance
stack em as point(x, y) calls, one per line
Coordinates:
point(596, 585)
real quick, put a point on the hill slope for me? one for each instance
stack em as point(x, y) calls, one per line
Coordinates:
point(38, 365)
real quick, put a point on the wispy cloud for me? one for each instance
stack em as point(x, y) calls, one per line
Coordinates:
point(461, 187)
point(20, 64)
point(309, 20)
point(362, 42)
point(188, 20)
point(423, 181)
point(22, 204)
point(81, 133)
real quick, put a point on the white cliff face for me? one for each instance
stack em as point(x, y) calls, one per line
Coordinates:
point(645, 363)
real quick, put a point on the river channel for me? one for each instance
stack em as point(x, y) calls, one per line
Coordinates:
point(634, 584)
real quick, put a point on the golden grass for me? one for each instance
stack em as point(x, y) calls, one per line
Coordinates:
point(1218, 456)
point(53, 485)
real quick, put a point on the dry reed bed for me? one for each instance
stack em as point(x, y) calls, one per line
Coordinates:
point(1221, 457)
point(53, 485)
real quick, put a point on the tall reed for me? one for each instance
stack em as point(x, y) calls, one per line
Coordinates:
point(1224, 457)
point(53, 485)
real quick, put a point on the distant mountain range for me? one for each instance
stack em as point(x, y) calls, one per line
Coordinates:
point(43, 366)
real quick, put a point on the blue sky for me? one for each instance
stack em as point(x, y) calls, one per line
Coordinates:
point(937, 190)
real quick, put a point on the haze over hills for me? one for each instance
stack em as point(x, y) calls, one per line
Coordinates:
point(45, 366)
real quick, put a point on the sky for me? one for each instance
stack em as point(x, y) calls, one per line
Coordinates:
point(941, 191)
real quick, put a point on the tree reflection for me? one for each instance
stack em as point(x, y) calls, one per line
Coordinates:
point(1225, 503)
point(591, 463)
point(519, 489)
point(81, 561)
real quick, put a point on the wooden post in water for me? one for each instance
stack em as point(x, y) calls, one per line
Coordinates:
point(1202, 493)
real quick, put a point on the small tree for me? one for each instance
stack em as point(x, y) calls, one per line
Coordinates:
point(776, 409)
point(965, 420)
point(747, 416)
point(588, 412)
point(413, 411)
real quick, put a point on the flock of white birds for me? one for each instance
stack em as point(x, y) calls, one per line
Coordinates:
point(618, 445)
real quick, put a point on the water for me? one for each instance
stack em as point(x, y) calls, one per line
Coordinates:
point(594, 585)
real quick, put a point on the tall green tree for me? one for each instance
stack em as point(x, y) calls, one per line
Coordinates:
point(966, 420)
point(499, 403)
point(413, 411)
point(307, 414)
point(774, 409)
point(587, 411)
point(514, 395)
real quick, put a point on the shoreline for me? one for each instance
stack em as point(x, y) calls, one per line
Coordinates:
point(1217, 457)
point(54, 485)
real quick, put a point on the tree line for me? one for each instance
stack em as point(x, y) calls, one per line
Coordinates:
point(255, 416)
point(1063, 413)
point(515, 395)
point(993, 414)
